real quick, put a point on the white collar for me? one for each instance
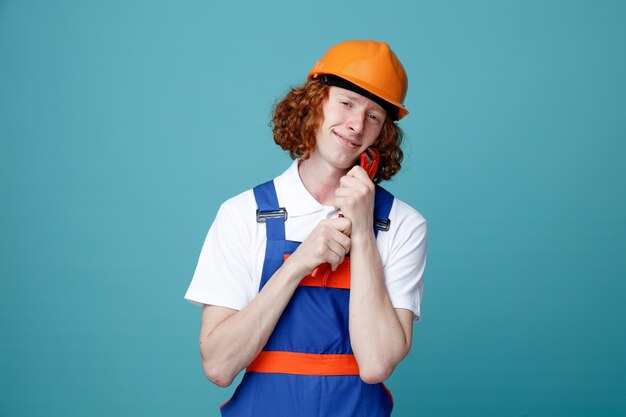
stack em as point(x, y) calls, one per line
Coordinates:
point(293, 195)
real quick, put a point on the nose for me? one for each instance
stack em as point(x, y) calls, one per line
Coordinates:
point(356, 121)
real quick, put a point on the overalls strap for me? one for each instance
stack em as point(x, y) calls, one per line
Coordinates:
point(269, 212)
point(382, 207)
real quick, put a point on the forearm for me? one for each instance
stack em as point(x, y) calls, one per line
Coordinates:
point(378, 338)
point(232, 344)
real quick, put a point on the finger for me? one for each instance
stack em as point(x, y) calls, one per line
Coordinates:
point(359, 173)
point(361, 184)
point(340, 244)
point(355, 170)
point(349, 181)
point(349, 197)
point(334, 260)
point(332, 233)
point(342, 224)
point(346, 192)
point(343, 237)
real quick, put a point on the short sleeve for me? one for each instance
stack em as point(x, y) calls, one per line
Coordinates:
point(406, 260)
point(223, 274)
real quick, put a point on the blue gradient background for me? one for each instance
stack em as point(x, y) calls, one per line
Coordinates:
point(124, 125)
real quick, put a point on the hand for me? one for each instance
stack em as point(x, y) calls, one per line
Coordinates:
point(355, 199)
point(328, 242)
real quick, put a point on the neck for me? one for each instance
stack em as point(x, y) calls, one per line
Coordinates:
point(320, 179)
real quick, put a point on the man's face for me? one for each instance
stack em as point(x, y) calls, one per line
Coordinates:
point(351, 124)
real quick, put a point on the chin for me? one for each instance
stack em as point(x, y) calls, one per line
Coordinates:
point(347, 164)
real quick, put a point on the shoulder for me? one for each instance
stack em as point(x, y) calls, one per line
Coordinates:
point(235, 219)
point(403, 214)
point(407, 226)
point(239, 212)
point(239, 204)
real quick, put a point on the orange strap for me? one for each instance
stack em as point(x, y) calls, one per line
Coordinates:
point(337, 279)
point(278, 362)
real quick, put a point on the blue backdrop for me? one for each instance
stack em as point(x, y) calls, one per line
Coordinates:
point(124, 125)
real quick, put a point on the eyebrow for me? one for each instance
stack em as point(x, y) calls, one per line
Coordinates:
point(351, 94)
point(358, 97)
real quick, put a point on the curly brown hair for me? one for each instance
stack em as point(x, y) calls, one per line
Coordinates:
point(297, 118)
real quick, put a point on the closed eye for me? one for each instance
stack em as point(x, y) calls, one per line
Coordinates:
point(374, 117)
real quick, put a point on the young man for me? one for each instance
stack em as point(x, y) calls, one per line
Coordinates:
point(317, 345)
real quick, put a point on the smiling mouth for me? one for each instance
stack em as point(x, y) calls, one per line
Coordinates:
point(346, 141)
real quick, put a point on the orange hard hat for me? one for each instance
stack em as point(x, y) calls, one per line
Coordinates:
point(371, 65)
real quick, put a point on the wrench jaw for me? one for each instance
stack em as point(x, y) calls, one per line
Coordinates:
point(369, 161)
